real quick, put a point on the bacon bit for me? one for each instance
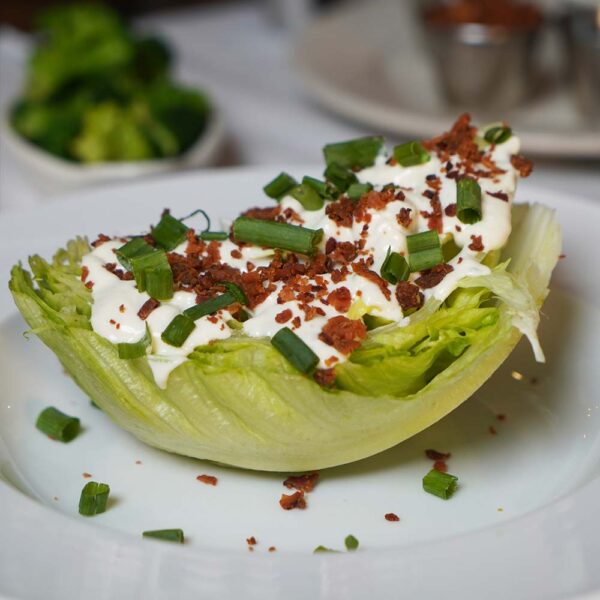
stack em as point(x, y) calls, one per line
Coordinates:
point(305, 483)
point(373, 200)
point(84, 273)
point(500, 195)
point(89, 285)
point(296, 322)
point(340, 299)
point(343, 334)
point(434, 218)
point(112, 322)
point(344, 252)
point(251, 541)
point(147, 308)
point(331, 360)
point(100, 240)
point(392, 517)
point(295, 500)
point(236, 254)
point(363, 270)
point(408, 295)
point(87, 475)
point(450, 210)
point(284, 316)
point(435, 455)
point(429, 194)
point(265, 214)
point(213, 319)
point(330, 245)
point(250, 266)
point(404, 218)
point(121, 308)
point(458, 228)
point(523, 165)
point(431, 277)
point(459, 140)
point(310, 312)
point(441, 466)
point(492, 430)
point(122, 275)
point(272, 548)
point(207, 479)
point(476, 244)
point(501, 417)
point(341, 211)
point(325, 377)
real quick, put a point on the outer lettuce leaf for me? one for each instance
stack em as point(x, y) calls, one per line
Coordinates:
point(239, 402)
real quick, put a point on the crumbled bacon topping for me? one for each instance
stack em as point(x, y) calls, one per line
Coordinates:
point(284, 316)
point(408, 295)
point(207, 479)
point(295, 500)
point(450, 210)
point(340, 299)
point(392, 517)
point(404, 218)
point(305, 483)
point(147, 308)
point(476, 244)
point(500, 195)
point(523, 165)
point(265, 214)
point(343, 334)
point(84, 273)
point(341, 211)
point(325, 377)
point(100, 240)
point(434, 217)
point(251, 541)
point(460, 140)
point(361, 268)
point(122, 275)
point(432, 277)
point(441, 466)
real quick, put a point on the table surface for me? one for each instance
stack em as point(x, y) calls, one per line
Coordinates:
point(244, 61)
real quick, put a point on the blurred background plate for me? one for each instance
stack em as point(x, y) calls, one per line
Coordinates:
point(369, 62)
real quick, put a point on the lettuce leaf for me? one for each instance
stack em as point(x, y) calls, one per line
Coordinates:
point(239, 402)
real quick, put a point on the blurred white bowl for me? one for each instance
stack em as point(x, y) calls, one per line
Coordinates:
point(54, 174)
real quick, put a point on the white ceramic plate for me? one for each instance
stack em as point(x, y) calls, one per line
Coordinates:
point(367, 61)
point(542, 468)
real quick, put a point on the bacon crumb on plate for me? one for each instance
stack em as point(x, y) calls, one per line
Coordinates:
point(207, 479)
point(295, 500)
point(305, 483)
point(251, 541)
point(392, 517)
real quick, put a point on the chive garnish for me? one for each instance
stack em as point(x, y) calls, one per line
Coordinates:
point(94, 497)
point(153, 274)
point(351, 542)
point(57, 424)
point(135, 349)
point(168, 535)
point(178, 330)
point(424, 250)
point(280, 186)
point(136, 246)
point(236, 291)
point(339, 176)
point(295, 350)
point(468, 200)
point(274, 234)
point(358, 153)
point(498, 134)
point(411, 154)
point(169, 232)
point(209, 236)
point(316, 184)
point(394, 267)
point(212, 305)
point(307, 196)
point(356, 191)
point(440, 484)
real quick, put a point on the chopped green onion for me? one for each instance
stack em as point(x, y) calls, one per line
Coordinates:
point(307, 196)
point(411, 154)
point(440, 484)
point(498, 134)
point(280, 186)
point(468, 200)
point(169, 232)
point(424, 250)
point(209, 236)
point(236, 291)
point(373, 321)
point(135, 349)
point(211, 306)
point(168, 535)
point(155, 267)
point(274, 234)
point(136, 246)
point(320, 549)
point(94, 497)
point(394, 267)
point(57, 425)
point(357, 190)
point(159, 283)
point(196, 212)
point(295, 350)
point(339, 176)
point(178, 330)
point(358, 153)
point(351, 543)
point(316, 184)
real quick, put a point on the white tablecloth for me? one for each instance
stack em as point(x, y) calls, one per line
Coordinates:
point(235, 53)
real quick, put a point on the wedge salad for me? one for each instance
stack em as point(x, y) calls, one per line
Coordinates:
point(349, 314)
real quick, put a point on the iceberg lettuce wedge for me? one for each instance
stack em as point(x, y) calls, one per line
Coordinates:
point(239, 402)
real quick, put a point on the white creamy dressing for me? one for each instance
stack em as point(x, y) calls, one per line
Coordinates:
point(116, 302)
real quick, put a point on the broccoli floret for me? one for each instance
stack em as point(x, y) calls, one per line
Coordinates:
point(151, 59)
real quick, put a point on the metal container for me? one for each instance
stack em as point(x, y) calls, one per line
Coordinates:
point(484, 67)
